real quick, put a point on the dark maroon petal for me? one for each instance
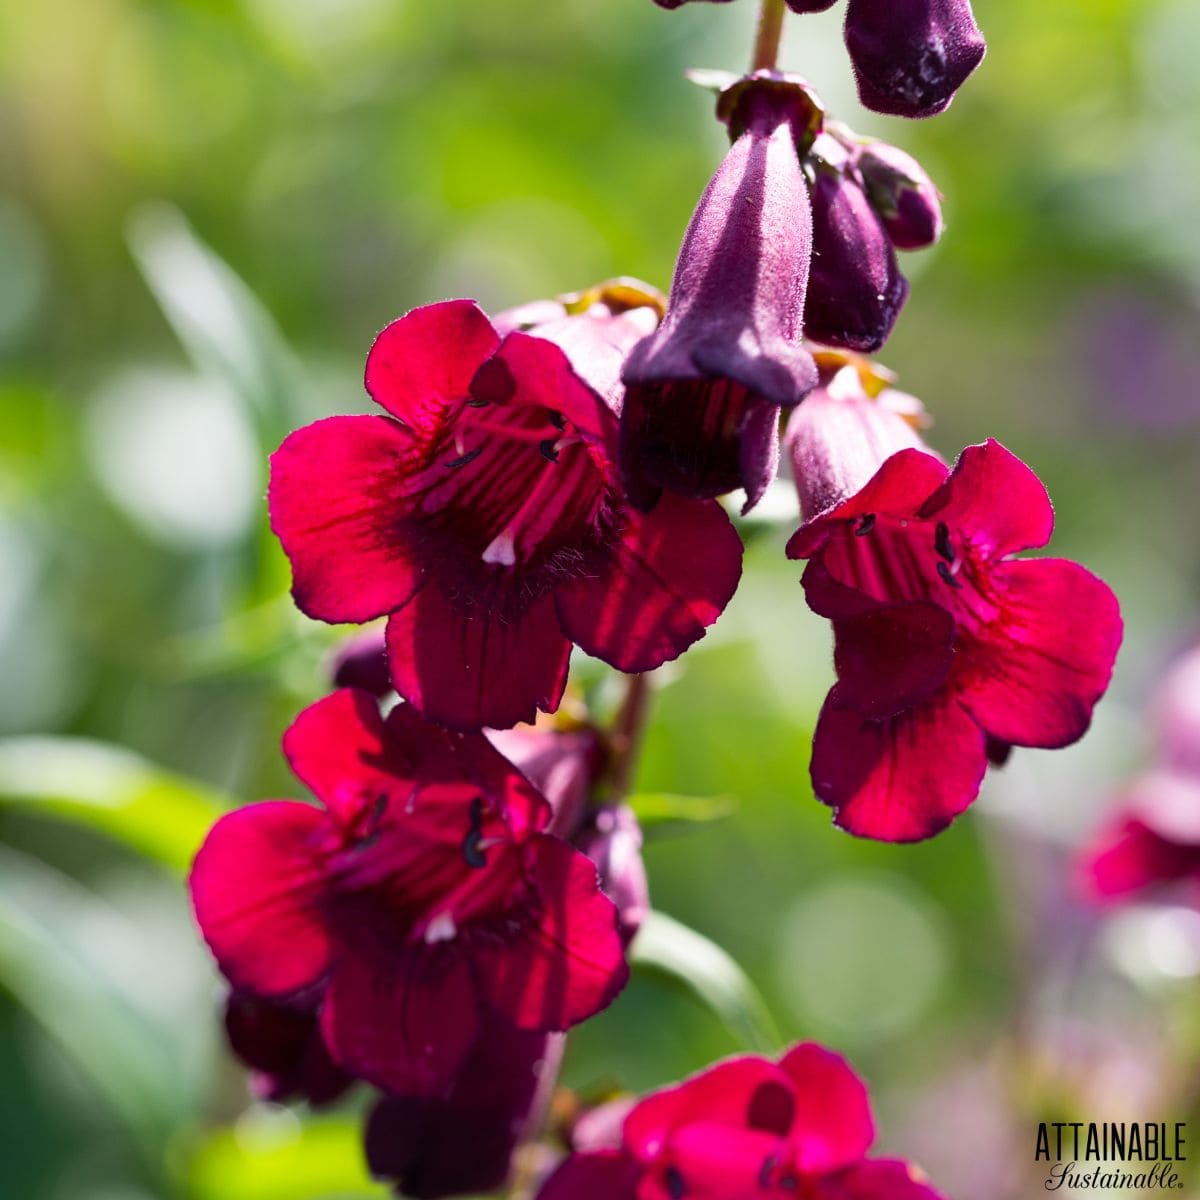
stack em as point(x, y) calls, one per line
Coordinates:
point(401, 1017)
point(463, 1143)
point(599, 1175)
point(855, 288)
point(995, 500)
point(902, 194)
point(911, 56)
point(361, 662)
point(471, 666)
point(664, 583)
point(898, 488)
point(899, 780)
point(890, 657)
point(810, 6)
point(257, 886)
point(422, 364)
point(879, 1179)
point(742, 1093)
point(283, 1047)
point(1037, 672)
point(338, 748)
point(832, 1125)
point(336, 496)
point(559, 960)
point(1127, 857)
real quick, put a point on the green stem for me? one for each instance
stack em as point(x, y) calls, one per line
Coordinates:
point(768, 35)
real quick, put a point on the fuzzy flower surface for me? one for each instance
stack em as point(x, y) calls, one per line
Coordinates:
point(419, 899)
point(747, 1127)
point(948, 649)
point(484, 515)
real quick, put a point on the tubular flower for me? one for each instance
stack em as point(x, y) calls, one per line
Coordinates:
point(747, 1127)
point(420, 899)
point(463, 1143)
point(703, 395)
point(1153, 839)
point(947, 650)
point(484, 514)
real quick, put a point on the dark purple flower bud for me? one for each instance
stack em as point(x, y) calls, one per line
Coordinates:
point(701, 409)
point(902, 194)
point(855, 290)
point(283, 1048)
point(613, 841)
point(463, 1143)
point(911, 56)
point(361, 662)
point(810, 6)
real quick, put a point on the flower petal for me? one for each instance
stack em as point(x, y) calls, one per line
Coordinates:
point(899, 488)
point(832, 1126)
point(599, 1175)
point(403, 1017)
point(879, 1179)
point(993, 498)
point(559, 961)
point(1129, 857)
point(902, 779)
point(257, 885)
point(422, 364)
point(336, 498)
point(472, 668)
point(666, 582)
point(1039, 669)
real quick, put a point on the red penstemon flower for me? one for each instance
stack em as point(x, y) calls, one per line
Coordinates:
point(745, 1128)
point(485, 515)
point(948, 650)
point(422, 895)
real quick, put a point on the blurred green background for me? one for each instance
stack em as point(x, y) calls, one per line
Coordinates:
point(208, 209)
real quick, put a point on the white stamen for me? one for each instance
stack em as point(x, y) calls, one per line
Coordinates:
point(441, 929)
point(501, 550)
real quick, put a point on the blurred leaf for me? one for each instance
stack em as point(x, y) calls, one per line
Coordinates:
point(160, 815)
point(659, 812)
point(667, 945)
point(53, 936)
point(222, 325)
point(272, 1156)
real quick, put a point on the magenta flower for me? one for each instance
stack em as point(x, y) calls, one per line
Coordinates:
point(361, 662)
point(911, 56)
point(463, 1143)
point(703, 395)
point(856, 290)
point(948, 650)
point(485, 515)
point(283, 1047)
point(422, 896)
point(745, 1128)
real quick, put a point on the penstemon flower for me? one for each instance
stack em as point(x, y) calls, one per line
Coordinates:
point(484, 515)
point(948, 650)
point(747, 1127)
point(420, 900)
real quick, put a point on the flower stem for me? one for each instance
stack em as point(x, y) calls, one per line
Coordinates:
point(767, 37)
point(626, 734)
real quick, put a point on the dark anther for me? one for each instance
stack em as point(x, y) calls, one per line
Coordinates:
point(469, 457)
point(675, 1184)
point(789, 1183)
point(865, 525)
point(476, 403)
point(371, 834)
point(548, 450)
point(944, 572)
point(764, 1175)
point(941, 541)
point(472, 851)
point(557, 420)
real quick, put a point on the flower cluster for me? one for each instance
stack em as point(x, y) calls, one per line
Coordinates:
point(1152, 842)
point(745, 1127)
